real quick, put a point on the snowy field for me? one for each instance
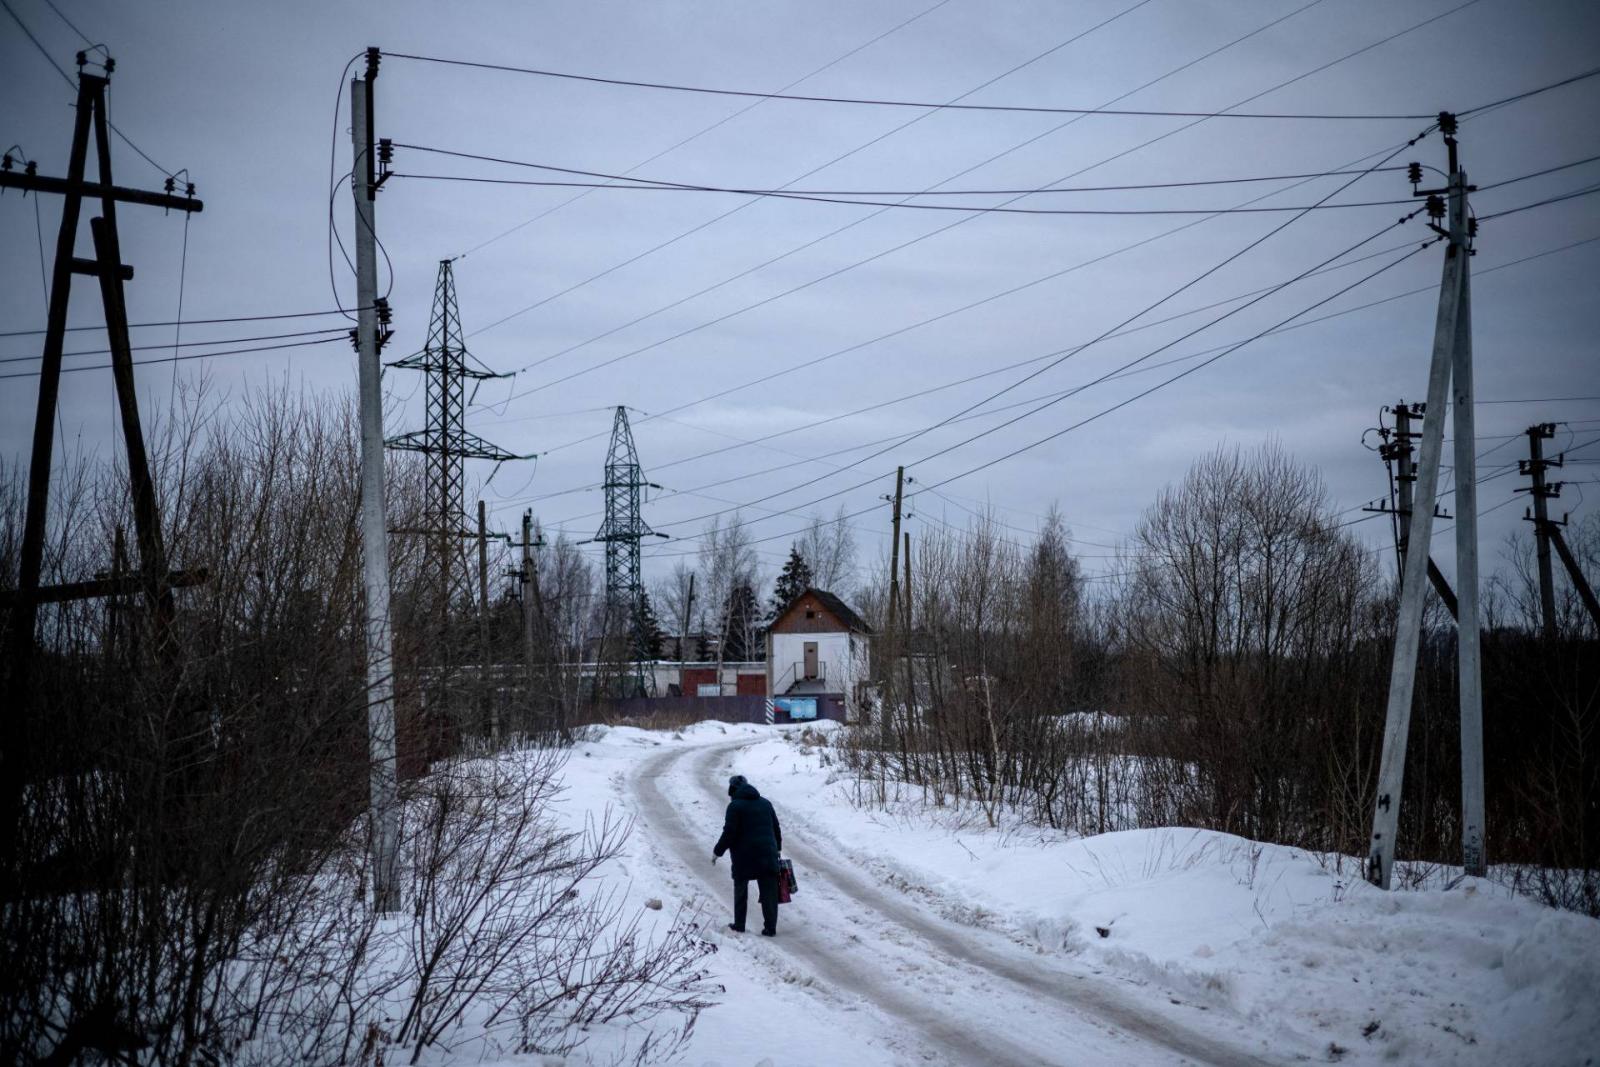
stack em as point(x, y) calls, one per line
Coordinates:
point(922, 936)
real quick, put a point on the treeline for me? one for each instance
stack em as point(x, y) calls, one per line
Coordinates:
point(1230, 672)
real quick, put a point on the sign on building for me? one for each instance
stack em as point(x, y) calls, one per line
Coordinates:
point(797, 707)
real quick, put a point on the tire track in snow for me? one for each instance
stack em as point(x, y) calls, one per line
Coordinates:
point(945, 1036)
point(1123, 1030)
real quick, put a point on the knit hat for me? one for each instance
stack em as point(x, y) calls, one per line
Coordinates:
point(735, 782)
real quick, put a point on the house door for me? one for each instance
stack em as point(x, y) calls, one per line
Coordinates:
point(811, 659)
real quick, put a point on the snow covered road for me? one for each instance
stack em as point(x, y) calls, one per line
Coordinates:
point(939, 991)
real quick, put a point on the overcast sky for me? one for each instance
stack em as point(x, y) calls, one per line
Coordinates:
point(672, 290)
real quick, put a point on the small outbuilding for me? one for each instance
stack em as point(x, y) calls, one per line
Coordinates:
point(818, 659)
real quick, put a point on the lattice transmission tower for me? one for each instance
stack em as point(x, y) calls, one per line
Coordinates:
point(445, 440)
point(621, 532)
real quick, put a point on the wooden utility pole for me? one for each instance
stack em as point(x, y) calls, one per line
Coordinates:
point(683, 633)
point(1451, 360)
point(906, 624)
point(153, 579)
point(1399, 451)
point(530, 593)
point(1541, 492)
point(1548, 532)
point(385, 828)
point(490, 707)
point(894, 549)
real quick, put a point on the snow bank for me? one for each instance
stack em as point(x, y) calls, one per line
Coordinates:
point(1474, 974)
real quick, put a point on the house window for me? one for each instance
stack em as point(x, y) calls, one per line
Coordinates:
point(810, 614)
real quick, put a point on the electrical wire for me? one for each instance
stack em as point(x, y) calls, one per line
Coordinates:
point(194, 322)
point(187, 344)
point(707, 129)
point(814, 170)
point(1083, 422)
point(69, 80)
point(921, 105)
point(1125, 366)
point(1531, 92)
point(177, 331)
point(44, 278)
point(664, 185)
point(959, 222)
point(1588, 191)
point(1054, 398)
point(333, 186)
point(1037, 398)
point(972, 208)
point(171, 359)
point(1144, 311)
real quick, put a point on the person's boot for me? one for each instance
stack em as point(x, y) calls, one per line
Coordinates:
point(736, 929)
point(769, 933)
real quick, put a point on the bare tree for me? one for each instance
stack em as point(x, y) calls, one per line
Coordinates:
point(673, 593)
point(829, 548)
point(727, 561)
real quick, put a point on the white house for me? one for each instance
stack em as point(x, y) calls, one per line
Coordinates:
point(818, 659)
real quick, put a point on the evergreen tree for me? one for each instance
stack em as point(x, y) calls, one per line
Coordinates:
point(794, 580)
point(647, 634)
point(740, 626)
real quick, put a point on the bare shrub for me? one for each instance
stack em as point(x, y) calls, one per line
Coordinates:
point(499, 927)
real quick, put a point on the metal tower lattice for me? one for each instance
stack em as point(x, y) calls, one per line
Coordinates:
point(624, 527)
point(445, 441)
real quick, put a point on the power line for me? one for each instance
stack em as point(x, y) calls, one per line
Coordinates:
point(853, 197)
point(962, 221)
point(921, 105)
point(1531, 92)
point(971, 208)
point(814, 170)
point(1100, 414)
point(188, 344)
point(1095, 381)
point(1588, 191)
point(707, 129)
point(183, 358)
point(1140, 314)
point(196, 322)
point(1064, 393)
point(68, 79)
point(1538, 400)
point(664, 185)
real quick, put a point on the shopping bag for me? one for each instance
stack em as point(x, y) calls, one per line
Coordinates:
point(786, 882)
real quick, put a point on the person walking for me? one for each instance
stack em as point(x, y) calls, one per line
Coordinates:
point(751, 832)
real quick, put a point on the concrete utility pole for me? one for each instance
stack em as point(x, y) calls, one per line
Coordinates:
point(1469, 657)
point(374, 524)
point(1452, 357)
point(1542, 492)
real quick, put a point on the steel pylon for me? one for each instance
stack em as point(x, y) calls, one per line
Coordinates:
point(621, 532)
point(445, 440)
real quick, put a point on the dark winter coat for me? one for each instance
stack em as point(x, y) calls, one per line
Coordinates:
point(750, 829)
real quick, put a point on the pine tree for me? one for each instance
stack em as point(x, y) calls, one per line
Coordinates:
point(794, 580)
point(647, 634)
point(739, 625)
